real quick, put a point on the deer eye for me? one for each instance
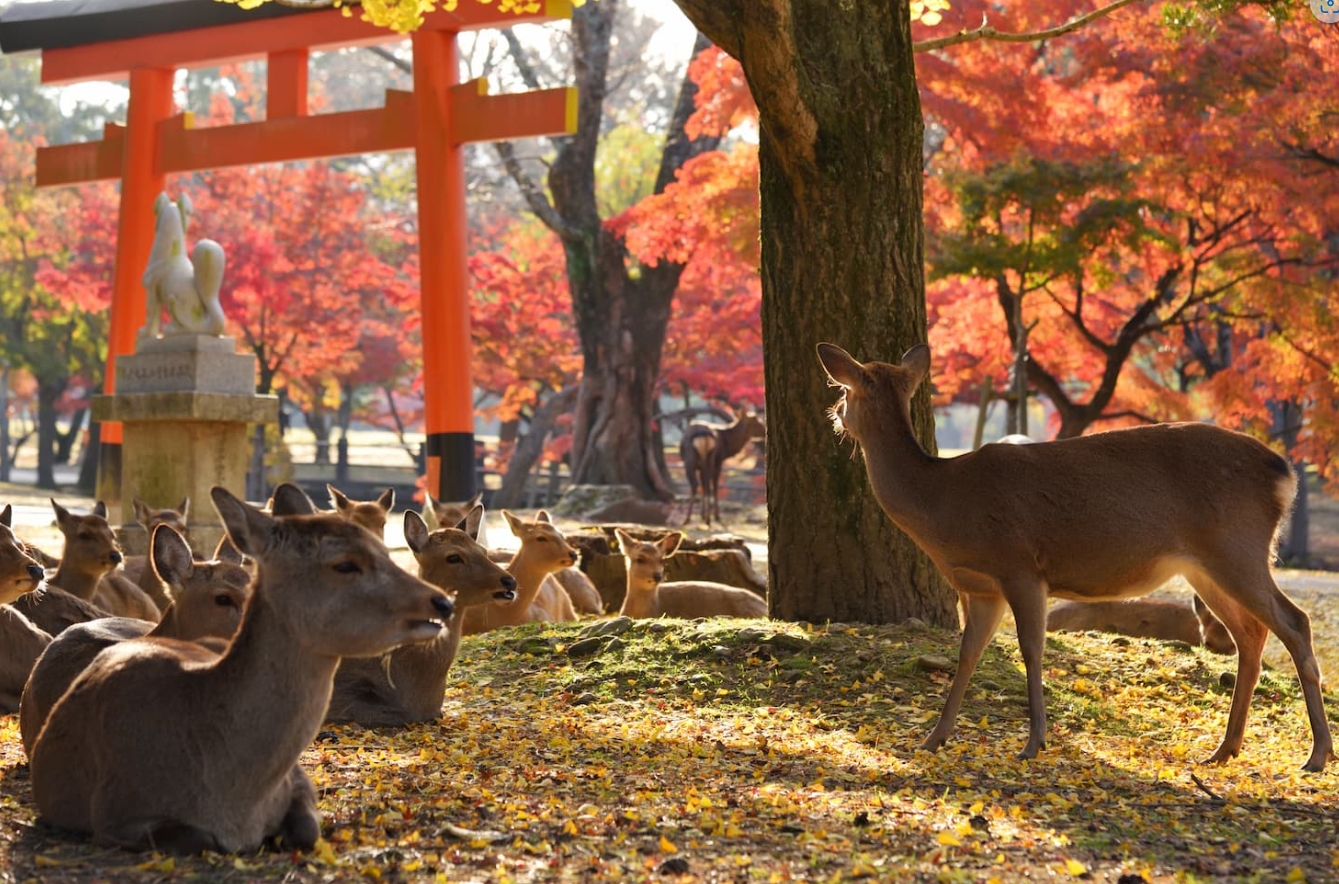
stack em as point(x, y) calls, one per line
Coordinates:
point(347, 567)
point(224, 601)
point(84, 535)
point(542, 539)
point(455, 559)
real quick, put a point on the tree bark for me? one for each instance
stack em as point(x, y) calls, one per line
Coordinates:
point(48, 392)
point(842, 261)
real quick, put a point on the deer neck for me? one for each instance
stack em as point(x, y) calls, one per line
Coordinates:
point(77, 581)
point(169, 625)
point(266, 668)
point(733, 439)
point(418, 671)
point(899, 468)
point(640, 603)
point(529, 569)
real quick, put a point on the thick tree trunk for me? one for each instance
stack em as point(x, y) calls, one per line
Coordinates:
point(65, 439)
point(840, 159)
point(48, 392)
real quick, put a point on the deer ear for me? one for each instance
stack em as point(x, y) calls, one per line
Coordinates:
point(542, 516)
point(185, 507)
point(917, 361)
point(387, 500)
point(517, 524)
point(226, 552)
point(840, 365)
point(290, 500)
point(477, 499)
point(100, 509)
point(669, 544)
point(625, 541)
point(473, 521)
point(248, 528)
point(337, 498)
point(170, 555)
point(415, 530)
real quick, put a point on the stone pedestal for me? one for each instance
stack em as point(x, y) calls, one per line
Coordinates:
point(185, 403)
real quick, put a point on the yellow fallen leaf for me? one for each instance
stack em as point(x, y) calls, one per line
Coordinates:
point(1075, 868)
point(1296, 875)
point(667, 846)
point(948, 839)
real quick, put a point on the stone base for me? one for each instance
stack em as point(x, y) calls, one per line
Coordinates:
point(195, 363)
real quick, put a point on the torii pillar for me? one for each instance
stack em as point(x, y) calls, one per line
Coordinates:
point(436, 120)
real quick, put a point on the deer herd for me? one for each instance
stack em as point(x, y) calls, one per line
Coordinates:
point(132, 675)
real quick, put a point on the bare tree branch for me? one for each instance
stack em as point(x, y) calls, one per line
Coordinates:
point(534, 195)
point(382, 52)
point(986, 32)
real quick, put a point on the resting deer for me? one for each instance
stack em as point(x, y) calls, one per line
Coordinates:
point(87, 563)
point(1109, 515)
point(1145, 618)
point(206, 602)
point(543, 551)
point(164, 744)
point(647, 596)
point(409, 684)
point(137, 569)
point(705, 449)
point(581, 593)
point(21, 642)
point(370, 514)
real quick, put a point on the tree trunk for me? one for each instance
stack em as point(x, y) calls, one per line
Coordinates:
point(88, 460)
point(840, 165)
point(318, 421)
point(65, 439)
point(48, 392)
point(529, 448)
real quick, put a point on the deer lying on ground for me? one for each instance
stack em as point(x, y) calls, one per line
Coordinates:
point(409, 684)
point(705, 449)
point(162, 744)
point(137, 569)
point(21, 642)
point(647, 596)
point(370, 514)
point(582, 595)
point(206, 602)
point(1145, 618)
point(1109, 515)
point(87, 563)
point(543, 551)
point(50, 609)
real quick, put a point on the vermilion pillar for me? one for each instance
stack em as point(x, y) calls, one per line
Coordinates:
point(447, 387)
point(141, 182)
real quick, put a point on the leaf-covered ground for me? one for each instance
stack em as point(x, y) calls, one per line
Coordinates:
point(743, 751)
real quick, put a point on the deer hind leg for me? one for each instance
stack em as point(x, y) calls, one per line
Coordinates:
point(1027, 599)
point(981, 618)
point(1253, 601)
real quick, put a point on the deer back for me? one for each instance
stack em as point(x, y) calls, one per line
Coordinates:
point(163, 742)
point(21, 644)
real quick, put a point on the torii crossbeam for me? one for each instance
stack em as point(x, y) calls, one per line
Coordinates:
point(148, 40)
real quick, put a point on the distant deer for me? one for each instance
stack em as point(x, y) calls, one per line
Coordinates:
point(21, 642)
point(543, 551)
point(409, 684)
point(370, 514)
point(206, 602)
point(647, 596)
point(705, 449)
point(137, 569)
point(162, 744)
point(87, 564)
point(581, 592)
point(1114, 514)
point(1145, 618)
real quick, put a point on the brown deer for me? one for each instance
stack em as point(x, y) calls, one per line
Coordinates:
point(409, 684)
point(21, 642)
point(87, 563)
point(1144, 618)
point(647, 596)
point(1110, 515)
point(705, 449)
point(137, 569)
point(581, 593)
point(162, 744)
point(207, 601)
point(370, 514)
point(543, 551)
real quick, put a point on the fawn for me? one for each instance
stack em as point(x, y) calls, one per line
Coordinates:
point(543, 551)
point(206, 602)
point(21, 642)
point(582, 596)
point(409, 684)
point(648, 596)
point(370, 514)
point(1109, 515)
point(87, 563)
point(705, 449)
point(164, 744)
point(1145, 618)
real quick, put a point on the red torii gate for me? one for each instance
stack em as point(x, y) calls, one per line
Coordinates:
point(439, 116)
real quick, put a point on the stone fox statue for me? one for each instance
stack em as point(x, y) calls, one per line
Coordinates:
point(188, 288)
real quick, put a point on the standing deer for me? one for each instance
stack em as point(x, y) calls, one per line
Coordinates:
point(206, 602)
point(1110, 515)
point(647, 596)
point(162, 744)
point(409, 684)
point(705, 449)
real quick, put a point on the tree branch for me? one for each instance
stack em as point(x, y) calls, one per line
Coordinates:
point(384, 53)
point(986, 32)
point(534, 195)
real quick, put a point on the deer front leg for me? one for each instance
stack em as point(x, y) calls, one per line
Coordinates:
point(301, 825)
point(981, 617)
point(1028, 602)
